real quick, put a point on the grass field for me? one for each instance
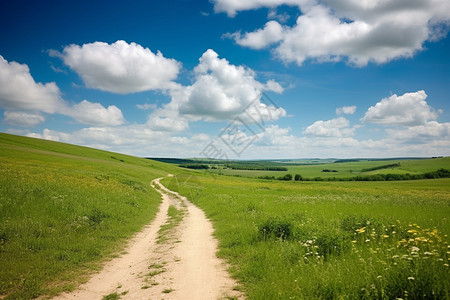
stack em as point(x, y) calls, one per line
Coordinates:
point(64, 209)
point(348, 169)
point(329, 240)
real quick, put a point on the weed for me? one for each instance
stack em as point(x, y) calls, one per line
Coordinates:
point(275, 228)
point(112, 296)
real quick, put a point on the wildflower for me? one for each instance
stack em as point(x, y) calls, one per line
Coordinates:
point(379, 277)
point(414, 249)
point(410, 278)
point(385, 236)
point(361, 230)
point(428, 253)
point(354, 242)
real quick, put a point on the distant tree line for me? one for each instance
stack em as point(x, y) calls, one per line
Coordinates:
point(381, 167)
point(253, 167)
point(195, 166)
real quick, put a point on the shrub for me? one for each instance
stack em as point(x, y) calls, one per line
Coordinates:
point(287, 177)
point(332, 243)
point(276, 228)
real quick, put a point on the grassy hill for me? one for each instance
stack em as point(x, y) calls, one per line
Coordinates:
point(64, 209)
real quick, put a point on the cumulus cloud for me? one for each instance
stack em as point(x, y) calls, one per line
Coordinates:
point(90, 113)
point(23, 119)
point(429, 132)
point(25, 100)
point(261, 38)
point(358, 32)
point(221, 91)
point(339, 127)
point(168, 123)
point(347, 110)
point(409, 109)
point(19, 91)
point(120, 67)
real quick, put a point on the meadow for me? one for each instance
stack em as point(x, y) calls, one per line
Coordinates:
point(329, 240)
point(346, 169)
point(64, 209)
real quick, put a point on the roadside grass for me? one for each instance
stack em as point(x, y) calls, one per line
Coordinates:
point(64, 209)
point(329, 240)
point(175, 217)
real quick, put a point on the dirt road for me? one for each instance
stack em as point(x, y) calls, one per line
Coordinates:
point(174, 263)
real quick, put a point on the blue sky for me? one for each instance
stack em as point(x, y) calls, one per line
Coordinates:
point(226, 79)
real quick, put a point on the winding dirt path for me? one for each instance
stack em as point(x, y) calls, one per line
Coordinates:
point(176, 263)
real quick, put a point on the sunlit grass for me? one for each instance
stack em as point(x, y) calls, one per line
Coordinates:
point(329, 240)
point(64, 209)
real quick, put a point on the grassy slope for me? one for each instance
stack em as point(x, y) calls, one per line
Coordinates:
point(350, 169)
point(325, 256)
point(64, 209)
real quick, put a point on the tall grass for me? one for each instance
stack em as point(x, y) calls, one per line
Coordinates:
point(64, 209)
point(333, 240)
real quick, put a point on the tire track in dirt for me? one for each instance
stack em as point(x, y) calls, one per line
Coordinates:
point(178, 264)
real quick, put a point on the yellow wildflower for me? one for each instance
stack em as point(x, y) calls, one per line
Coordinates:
point(361, 230)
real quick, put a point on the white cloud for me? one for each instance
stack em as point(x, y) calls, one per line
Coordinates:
point(358, 32)
point(120, 67)
point(347, 110)
point(409, 109)
point(24, 99)
point(19, 91)
point(221, 91)
point(167, 123)
point(231, 7)
point(90, 113)
point(283, 17)
point(261, 38)
point(135, 139)
point(339, 127)
point(429, 132)
point(23, 119)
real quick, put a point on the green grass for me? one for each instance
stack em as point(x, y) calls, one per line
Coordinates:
point(348, 169)
point(112, 296)
point(329, 240)
point(175, 216)
point(64, 209)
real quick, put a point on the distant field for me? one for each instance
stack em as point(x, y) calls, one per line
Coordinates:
point(348, 169)
point(330, 240)
point(63, 209)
